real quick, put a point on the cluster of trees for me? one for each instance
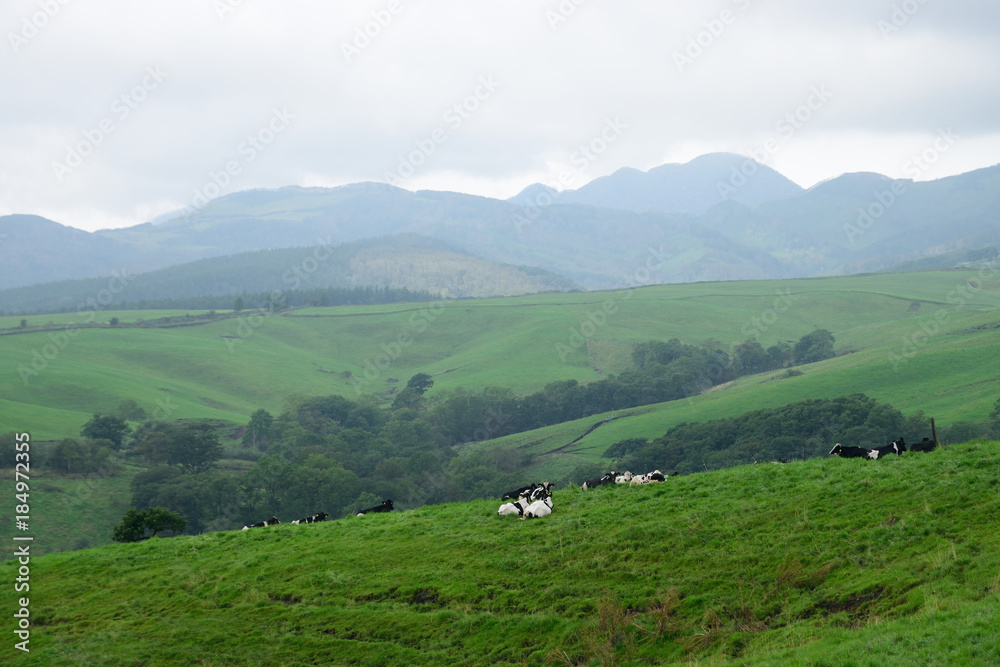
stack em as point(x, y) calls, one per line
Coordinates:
point(797, 431)
point(663, 371)
point(321, 453)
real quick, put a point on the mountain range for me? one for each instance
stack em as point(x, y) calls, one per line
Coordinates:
point(718, 217)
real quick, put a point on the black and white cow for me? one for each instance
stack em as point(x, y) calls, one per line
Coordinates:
point(386, 506)
point(270, 522)
point(538, 509)
point(896, 447)
point(517, 507)
point(319, 516)
point(517, 493)
point(624, 478)
point(648, 478)
point(848, 452)
point(541, 492)
point(925, 445)
point(607, 479)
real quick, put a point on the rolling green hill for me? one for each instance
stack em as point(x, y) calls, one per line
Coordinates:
point(831, 561)
point(419, 264)
point(52, 382)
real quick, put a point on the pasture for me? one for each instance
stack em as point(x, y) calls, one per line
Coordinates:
point(827, 561)
point(227, 369)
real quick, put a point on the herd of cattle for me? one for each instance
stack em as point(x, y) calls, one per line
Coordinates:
point(896, 447)
point(535, 500)
point(385, 506)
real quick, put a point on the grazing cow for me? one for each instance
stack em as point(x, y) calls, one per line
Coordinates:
point(517, 493)
point(607, 479)
point(270, 522)
point(386, 506)
point(624, 478)
point(517, 507)
point(538, 509)
point(925, 445)
point(848, 452)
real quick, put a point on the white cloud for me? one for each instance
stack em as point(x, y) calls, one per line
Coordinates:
point(558, 85)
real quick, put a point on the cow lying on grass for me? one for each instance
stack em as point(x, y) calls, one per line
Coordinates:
point(315, 518)
point(607, 479)
point(270, 522)
point(533, 491)
point(517, 507)
point(386, 506)
point(925, 445)
point(648, 478)
point(538, 509)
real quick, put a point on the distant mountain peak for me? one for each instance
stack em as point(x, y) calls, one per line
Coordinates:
point(690, 188)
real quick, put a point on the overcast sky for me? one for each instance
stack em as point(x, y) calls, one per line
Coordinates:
point(116, 111)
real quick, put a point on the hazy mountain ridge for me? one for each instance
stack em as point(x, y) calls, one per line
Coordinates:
point(410, 261)
point(766, 228)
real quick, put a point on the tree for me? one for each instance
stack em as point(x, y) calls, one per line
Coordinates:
point(129, 410)
point(135, 523)
point(750, 358)
point(66, 457)
point(814, 346)
point(113, 321)
point(238, 304)
point(107, 427)
point(154, 447)
point(420, 383)
point(132, 527)
point(259, 429)
point(159, 519)
point(195, 449)
point(995, 420)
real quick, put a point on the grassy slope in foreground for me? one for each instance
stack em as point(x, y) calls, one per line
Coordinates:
point(221, 370)
point(826, 561)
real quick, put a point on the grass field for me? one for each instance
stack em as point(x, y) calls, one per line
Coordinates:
point(51, 383)
point(832, 562)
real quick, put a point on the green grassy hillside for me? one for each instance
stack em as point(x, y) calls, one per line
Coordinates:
point(227, 369)
point(820, 562)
